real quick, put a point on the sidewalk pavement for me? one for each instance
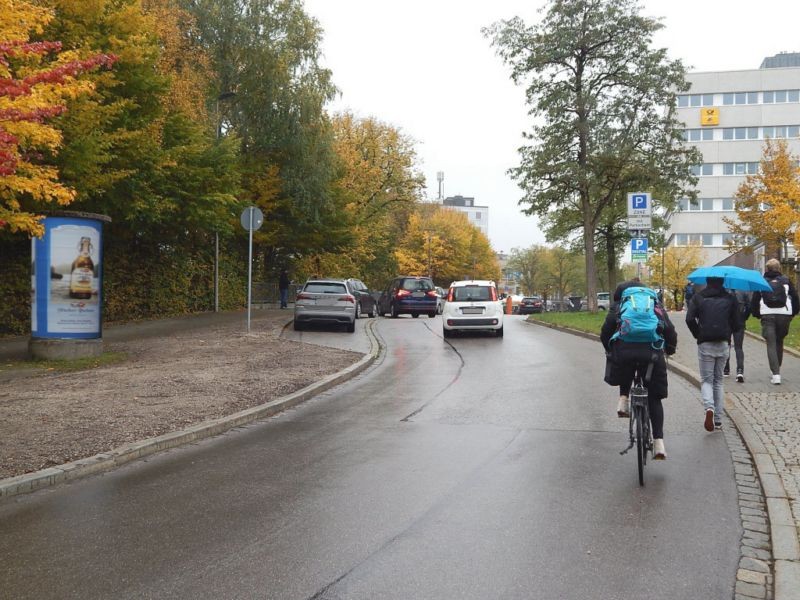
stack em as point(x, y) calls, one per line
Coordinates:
point(768, 417)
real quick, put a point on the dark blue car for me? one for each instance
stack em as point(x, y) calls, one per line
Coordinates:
point(413, 296)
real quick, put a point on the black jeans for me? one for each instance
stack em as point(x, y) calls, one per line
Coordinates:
point(738, 341)
point(774, 328)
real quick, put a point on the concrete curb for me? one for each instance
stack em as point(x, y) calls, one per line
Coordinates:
point(785, 543)
point(106, 461)
point(786, 349)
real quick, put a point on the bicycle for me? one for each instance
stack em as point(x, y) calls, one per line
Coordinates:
point(639, 430)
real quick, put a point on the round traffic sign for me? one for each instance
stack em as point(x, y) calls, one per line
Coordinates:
point(252, 218)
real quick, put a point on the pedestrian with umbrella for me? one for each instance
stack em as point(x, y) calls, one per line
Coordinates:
point(775, 307)
point(712, 317)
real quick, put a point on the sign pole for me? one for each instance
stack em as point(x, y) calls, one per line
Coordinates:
point(249, 266)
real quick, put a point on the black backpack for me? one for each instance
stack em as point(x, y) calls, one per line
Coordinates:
point(777, 297)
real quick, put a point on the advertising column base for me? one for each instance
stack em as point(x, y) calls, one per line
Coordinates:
point(55, 349)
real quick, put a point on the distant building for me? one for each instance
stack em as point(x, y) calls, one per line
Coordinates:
point(477, 215)
point(728, 115)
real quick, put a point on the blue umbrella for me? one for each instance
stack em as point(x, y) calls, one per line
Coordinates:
point(735, 278)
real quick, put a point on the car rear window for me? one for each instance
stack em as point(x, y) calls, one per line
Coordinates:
point(472, 293)
point(413, 285)
point(325, 287)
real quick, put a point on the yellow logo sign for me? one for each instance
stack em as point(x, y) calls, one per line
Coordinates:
point(709, 116)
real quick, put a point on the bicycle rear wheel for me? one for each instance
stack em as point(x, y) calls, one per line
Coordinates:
point(641, 445)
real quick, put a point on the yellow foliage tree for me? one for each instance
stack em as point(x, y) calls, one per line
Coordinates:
point(768, 203)
point(443, 243)
point(678, 262)
point(33, 88)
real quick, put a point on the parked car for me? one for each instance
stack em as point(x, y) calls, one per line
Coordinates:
point(407, 295)
point(365, 298)
point(603, 300)
point(325, 301)
point(531, 304)
point(472, 306)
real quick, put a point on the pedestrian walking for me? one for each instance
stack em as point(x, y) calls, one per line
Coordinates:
point(712, 317)
point(283, 287)
point(688, 294)
point(775, 309)
point(743, 300)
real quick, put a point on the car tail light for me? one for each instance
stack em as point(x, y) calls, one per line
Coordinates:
point(401, 293)
point(450, 295)
point(431, 293)
point(302, 296)
point(348, 298)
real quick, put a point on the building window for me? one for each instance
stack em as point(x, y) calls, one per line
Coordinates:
point(739, 133)
point(683, 101)
point(752, 133)
point(695, 100)
point(768, 132)
point(780, 96)
point(727, 168)
point(708, 134)
point(707, 204)
point(794, 95)
point(752, 168)
point(707, 169)
point(769, 97)
point(740, 98)
point(727, 133)
point(752, 97)
point(727, 98)
point(695, 170)
point(708, 239)
point(728, 238)
point(681, 239)
point(793, 131)
point(478, 216)
point(727, 204)
point(683, 204)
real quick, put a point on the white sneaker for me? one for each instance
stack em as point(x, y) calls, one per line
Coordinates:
point(623, 408)
point(658, 449)
point(776, 379)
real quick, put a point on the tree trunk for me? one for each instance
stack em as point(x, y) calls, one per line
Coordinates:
point(588, 248)
point(611, 263)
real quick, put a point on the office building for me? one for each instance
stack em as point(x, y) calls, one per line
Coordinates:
point(728, 115)
point(477, 215)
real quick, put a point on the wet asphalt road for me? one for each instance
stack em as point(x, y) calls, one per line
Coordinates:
point(488, 468)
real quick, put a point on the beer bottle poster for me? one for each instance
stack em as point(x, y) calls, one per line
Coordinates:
point(68, 276)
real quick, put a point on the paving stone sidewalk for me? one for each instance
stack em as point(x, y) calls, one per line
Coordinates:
point(768, 416)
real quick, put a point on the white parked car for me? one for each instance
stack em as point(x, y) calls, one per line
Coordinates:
point(325, 301)
point(472, 306)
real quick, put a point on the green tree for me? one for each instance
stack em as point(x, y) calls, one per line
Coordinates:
point(604, 103)
point(564, 276)
point(531, 263)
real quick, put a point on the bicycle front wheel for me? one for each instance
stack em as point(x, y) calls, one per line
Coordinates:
point(641, 445)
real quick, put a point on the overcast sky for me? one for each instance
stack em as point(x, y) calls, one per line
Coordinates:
point(424, 67)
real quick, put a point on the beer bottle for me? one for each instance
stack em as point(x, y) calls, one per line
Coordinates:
point(80, 284)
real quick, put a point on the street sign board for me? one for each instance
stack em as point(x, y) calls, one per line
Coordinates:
point(640, 204)
point(640, 223)
point(639, 250)
point(252, 218)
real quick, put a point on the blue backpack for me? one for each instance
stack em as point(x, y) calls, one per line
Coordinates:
point(638, 321)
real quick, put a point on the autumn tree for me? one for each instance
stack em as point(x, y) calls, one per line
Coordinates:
point(768, 202)
point(603, 100)
point(564, 276)
point(676, 262)
point(443, 243)
point(379, 184)
point(36, 80)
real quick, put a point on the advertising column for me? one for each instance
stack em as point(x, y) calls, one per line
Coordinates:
point(66, 303)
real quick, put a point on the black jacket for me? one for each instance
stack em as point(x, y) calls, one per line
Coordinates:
point(283, 282)
point(665, 328)
point(713, 315)
point(755, 304)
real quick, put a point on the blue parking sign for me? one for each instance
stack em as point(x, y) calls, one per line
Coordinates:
point(638, 245)
point(639, 201)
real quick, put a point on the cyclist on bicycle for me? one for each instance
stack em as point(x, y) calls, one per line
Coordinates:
point(625, 358)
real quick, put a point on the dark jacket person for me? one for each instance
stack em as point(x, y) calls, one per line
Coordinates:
point(775, 309)
point(712, 317)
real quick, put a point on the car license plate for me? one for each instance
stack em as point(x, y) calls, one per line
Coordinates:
point(418, 295)
point(472, 310)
